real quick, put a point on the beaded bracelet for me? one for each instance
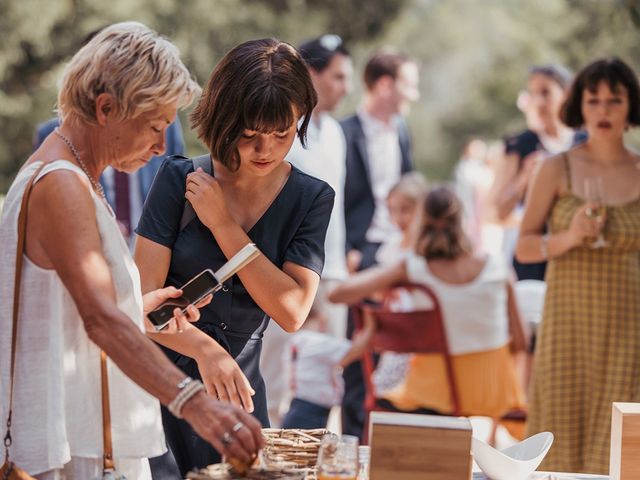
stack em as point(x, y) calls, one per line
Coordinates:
point(188, 388)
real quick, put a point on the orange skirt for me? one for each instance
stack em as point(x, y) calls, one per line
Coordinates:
point(487, 384)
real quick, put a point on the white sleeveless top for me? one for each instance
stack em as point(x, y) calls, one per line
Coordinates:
point(475, 313)
point(57, 399)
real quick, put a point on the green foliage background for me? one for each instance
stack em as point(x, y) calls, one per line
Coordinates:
point(473, 54)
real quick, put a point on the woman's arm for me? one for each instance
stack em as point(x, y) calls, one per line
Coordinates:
point(220, 373)
point(357, 287)
point(285, 295)
point(63, 235)
point(516, 328)
point(361, 340)
point(504, 196)
point(532, 245)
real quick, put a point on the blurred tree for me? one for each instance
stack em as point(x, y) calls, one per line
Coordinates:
point(39, 35)
point(474, 56)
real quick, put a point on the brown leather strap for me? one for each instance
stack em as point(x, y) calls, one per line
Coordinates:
point(107, 460)
point(20, 248)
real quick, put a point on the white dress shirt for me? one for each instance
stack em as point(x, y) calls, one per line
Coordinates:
point(385, 158)
point(325, 158)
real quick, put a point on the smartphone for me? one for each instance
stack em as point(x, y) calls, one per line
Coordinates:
point(201, 285)
point(192, 292)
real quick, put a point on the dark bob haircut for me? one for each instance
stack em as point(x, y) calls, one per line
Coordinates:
point(319, 52)
point(614, 72)
point(260, 85)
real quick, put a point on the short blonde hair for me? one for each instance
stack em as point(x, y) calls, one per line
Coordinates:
point(412, 186)
point(141, 69)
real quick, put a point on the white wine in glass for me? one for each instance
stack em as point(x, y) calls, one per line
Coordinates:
point(594, 194)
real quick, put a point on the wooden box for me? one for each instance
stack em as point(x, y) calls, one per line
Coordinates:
point(424, 447)
point(624, 462)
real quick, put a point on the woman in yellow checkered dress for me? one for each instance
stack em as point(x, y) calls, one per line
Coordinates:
point(588, 353)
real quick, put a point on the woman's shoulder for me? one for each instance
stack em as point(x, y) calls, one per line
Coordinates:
point(552, 171)
point(176, 165)
point(310, 184)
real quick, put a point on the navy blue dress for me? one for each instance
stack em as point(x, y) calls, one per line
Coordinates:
point(292, 229)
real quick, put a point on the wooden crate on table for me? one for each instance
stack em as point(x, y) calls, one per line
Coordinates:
point(419, 447)
point(625, 441)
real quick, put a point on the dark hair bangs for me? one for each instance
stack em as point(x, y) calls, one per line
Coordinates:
point(609, 76)
point(268, 110)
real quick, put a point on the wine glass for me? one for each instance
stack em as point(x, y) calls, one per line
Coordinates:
point(594, 194)
point(338, 457)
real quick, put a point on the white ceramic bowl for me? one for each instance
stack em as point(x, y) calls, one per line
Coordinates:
point(515, 462)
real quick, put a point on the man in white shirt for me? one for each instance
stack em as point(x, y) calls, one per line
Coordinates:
point(378, 153)
point(331, 70)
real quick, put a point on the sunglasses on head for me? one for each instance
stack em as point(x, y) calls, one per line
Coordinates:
point(330, 42)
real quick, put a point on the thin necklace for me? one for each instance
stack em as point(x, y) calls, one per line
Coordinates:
point(96, 185)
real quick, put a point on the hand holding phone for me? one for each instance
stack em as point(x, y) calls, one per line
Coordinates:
point(193, 291)
point(156, 298)
point(205, 283)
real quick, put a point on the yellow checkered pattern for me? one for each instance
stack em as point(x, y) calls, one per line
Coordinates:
point(588, 354)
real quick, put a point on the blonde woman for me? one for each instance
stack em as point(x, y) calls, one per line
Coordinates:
point(81, 290)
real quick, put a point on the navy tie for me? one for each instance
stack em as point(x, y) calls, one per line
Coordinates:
point(123, 208)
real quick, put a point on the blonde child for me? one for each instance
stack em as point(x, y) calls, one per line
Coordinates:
point(403, 201)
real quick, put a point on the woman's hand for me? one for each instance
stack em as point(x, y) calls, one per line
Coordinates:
point(154, 299)
point(205, 195)
point(231, 431)
point(224, 379)
point(354, 259)
point(585, 226)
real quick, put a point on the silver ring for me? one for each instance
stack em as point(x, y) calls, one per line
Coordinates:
point(237, 426)
point(226, 439)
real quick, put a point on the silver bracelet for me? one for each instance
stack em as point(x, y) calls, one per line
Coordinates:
point(188, 389)
point(543, 246)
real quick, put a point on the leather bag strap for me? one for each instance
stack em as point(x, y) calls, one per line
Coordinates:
point(107, 459)
point(20, 248)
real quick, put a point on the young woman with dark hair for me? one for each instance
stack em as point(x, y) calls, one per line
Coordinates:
point(259, 97)
point(588, 349)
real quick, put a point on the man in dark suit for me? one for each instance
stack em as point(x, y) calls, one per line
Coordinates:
point(126, 192)
point(378, 153)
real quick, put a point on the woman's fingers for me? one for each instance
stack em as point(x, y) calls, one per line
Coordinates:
point(246, 392)
point(232, 394)
point(221, 391)
point(236, 391)
point(205, 301)
point(192, 314)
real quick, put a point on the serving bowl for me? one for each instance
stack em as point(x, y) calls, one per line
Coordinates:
point(513, 463)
